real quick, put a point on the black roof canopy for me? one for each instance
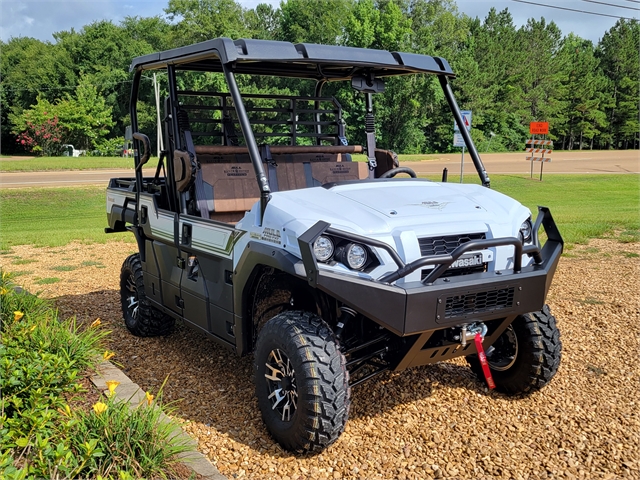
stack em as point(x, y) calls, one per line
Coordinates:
point(285, 59)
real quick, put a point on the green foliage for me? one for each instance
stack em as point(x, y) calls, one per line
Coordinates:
point(136, 440)
point(109, 147)
point(82, 120)
point(41, 361)
point(200, 20)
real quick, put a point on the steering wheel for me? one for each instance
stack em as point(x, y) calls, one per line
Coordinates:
point(394, 171)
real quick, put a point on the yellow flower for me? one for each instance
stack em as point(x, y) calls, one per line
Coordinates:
point(32, 328)
point(107, 355)
point(96, 322)
point(4, 291)
point(149, 398)
point(17, 315)
point(100, 407)
point(111, 385)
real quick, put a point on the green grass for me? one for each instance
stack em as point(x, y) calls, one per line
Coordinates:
point(40, 164)
point(63, 268)
point(91, 263)
point(584, 206)
point(54, 216)
point(47, 281)
point(23, 261)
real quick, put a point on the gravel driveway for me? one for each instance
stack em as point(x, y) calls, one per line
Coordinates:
point(430, 422)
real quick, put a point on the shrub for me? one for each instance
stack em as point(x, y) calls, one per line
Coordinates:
point(41, 361)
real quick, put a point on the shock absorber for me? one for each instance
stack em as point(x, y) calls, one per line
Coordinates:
point(346, 315)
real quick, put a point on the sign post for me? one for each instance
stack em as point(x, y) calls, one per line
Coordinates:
point(458, 139)
point(538, 146)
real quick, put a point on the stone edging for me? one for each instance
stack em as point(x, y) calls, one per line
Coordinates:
point(127, 390)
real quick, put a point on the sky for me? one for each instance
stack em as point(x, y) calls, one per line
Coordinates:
point(41, 18)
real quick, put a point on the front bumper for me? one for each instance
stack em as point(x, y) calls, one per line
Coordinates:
point(442, 302)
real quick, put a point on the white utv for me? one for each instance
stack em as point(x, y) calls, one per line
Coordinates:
point(260, 230)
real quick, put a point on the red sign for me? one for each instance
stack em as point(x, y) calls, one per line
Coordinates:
point(539, 128)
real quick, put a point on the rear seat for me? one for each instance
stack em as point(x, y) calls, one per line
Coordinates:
point(229, 173)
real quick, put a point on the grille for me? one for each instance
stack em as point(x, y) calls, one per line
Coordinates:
point(446, 244)
point(479, 302)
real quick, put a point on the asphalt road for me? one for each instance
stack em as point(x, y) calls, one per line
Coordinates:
point(596, 162)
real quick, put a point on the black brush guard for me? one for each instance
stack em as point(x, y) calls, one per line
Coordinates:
point(436, 303)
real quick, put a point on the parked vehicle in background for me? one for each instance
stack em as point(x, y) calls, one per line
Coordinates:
point(259, 230)
point(71, 151)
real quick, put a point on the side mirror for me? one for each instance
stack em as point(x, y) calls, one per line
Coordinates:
point(364, 85)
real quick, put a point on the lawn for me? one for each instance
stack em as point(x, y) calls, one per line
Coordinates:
point(584, 206)
point(53, 216)
point(40, 164)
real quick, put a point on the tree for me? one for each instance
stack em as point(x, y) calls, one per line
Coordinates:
point(200, 20)
point(618, 53)
point(82, 120)
point(312, 21)
point(38, 129)
point(586, 100)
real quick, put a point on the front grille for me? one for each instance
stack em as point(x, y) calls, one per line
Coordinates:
point(446, 244)
point(479, 302)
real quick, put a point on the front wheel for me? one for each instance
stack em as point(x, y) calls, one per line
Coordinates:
point(526, 356)
point(142, 319)
point(302, 383)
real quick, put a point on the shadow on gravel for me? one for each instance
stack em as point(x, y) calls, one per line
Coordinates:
point(212, 386)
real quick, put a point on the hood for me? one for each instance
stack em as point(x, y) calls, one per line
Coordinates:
point(381, 207)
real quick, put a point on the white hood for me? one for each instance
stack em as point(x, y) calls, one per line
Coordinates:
point(382, 207)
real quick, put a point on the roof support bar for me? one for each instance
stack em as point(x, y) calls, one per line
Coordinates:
point(250, 140)
point(448, 93)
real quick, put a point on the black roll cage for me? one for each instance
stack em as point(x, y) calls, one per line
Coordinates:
point(324, 63)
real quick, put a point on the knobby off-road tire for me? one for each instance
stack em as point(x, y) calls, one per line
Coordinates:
point(302, 383)
point(538, 351)
point(140, 317)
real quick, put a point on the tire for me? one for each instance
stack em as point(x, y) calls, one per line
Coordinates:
point(140, 317)
point(309, 371)
point(526, 356)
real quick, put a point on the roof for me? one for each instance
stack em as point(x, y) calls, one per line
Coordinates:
point(285, 59)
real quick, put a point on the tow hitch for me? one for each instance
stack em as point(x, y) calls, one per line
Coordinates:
point(477, 332)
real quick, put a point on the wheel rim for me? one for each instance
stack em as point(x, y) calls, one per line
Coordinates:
point(505, 351)
point(281, 381)
point(132, 299)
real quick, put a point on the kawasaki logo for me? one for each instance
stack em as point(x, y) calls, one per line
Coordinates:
point(470, 261)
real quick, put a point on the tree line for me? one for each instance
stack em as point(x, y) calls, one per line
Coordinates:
point(76, 88)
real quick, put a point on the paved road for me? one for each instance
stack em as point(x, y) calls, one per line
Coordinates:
point(627, 161)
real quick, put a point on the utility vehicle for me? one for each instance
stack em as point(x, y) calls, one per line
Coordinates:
point(262, 230)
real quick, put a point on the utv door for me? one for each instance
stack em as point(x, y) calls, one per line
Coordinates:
point(206, 287)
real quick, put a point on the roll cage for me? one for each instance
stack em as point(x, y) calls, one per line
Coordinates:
point(322, 63)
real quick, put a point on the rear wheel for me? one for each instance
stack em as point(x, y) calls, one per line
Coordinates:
point(526, 356)
point(302, 383)
point(140, 317)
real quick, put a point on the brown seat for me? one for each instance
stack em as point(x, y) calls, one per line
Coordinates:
point(235, 189)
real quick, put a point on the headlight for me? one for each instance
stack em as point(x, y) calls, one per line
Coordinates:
point(323, 248)
point(525, 231)
point(356, 256)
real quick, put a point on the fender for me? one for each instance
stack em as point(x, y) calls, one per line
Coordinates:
point(257, 254)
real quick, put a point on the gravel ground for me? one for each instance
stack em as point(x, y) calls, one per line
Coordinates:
point(430, 422)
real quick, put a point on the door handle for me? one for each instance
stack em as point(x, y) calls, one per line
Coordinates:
point(186, 234)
